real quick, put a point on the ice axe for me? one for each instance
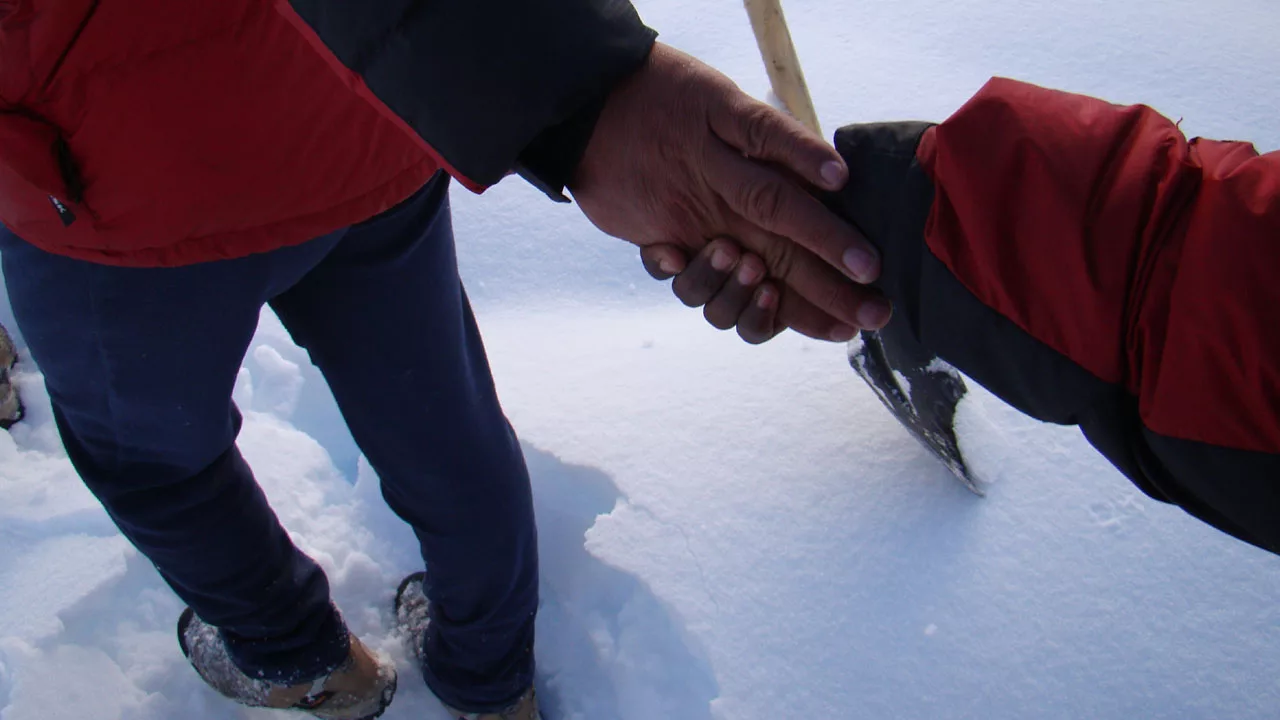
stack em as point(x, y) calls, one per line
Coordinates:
point(919, 389)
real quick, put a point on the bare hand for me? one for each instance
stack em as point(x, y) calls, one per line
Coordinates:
point(680, 155)
point(729, 285)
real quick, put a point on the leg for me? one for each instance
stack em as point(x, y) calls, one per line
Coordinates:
point(387, 322)
point(140, 365)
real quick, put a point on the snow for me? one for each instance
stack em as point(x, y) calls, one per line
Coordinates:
point(904, 382)
point(728, 531)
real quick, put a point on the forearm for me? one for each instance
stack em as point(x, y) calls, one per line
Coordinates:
point(1091, 266)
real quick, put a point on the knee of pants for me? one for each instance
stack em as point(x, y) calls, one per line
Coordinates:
point(133, 450)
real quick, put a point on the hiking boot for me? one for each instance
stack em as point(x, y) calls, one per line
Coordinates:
point(412, 618)
point(360, 688)
point(526, 708)
point(11, 409)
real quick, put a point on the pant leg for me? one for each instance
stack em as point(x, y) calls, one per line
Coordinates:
point(386, 320)
point(140, 365)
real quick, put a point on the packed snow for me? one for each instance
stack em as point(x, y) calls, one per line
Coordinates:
point(733, 532)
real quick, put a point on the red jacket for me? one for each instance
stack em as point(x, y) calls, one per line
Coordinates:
point(1154, 260)
point(168, 132)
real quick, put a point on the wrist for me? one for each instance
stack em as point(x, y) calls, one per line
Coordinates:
point(550, 161)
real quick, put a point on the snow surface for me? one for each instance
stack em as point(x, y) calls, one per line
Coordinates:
point(734, 532)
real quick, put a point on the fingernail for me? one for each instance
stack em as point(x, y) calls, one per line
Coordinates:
point(721, 260)
point(668, 267)
point(874, 314)
point(842, 334)
point(766, 299)
point(749, 274)
point(861, 263)
point(833, 175)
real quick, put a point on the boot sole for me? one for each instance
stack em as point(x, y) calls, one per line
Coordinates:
point(8, 390)
point(404, 584)
point(388, 694)
point(184, 622)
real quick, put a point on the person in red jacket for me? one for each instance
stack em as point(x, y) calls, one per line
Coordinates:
point(1086, 263)
point(169, 167)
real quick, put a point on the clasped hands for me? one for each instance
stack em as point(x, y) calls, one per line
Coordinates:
point(715, 188)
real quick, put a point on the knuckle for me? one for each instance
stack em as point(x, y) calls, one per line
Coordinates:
point(840, 300)
point(780, 257)
point(764, 200)
point(757, 129)
point(832, 297)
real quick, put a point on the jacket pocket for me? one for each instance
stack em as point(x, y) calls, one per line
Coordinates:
point(39, 183)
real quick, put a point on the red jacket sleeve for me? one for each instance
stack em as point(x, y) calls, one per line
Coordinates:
point(1091, 266)
point(1150, 260)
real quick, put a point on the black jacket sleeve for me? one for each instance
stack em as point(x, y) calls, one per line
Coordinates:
point(481, 81)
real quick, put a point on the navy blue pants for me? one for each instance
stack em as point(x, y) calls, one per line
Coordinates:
point(140, 365)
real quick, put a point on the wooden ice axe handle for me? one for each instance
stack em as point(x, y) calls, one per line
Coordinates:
point(780, 59)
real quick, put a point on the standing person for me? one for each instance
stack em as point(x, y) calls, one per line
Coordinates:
point(169, 167)
point(1088, 264)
